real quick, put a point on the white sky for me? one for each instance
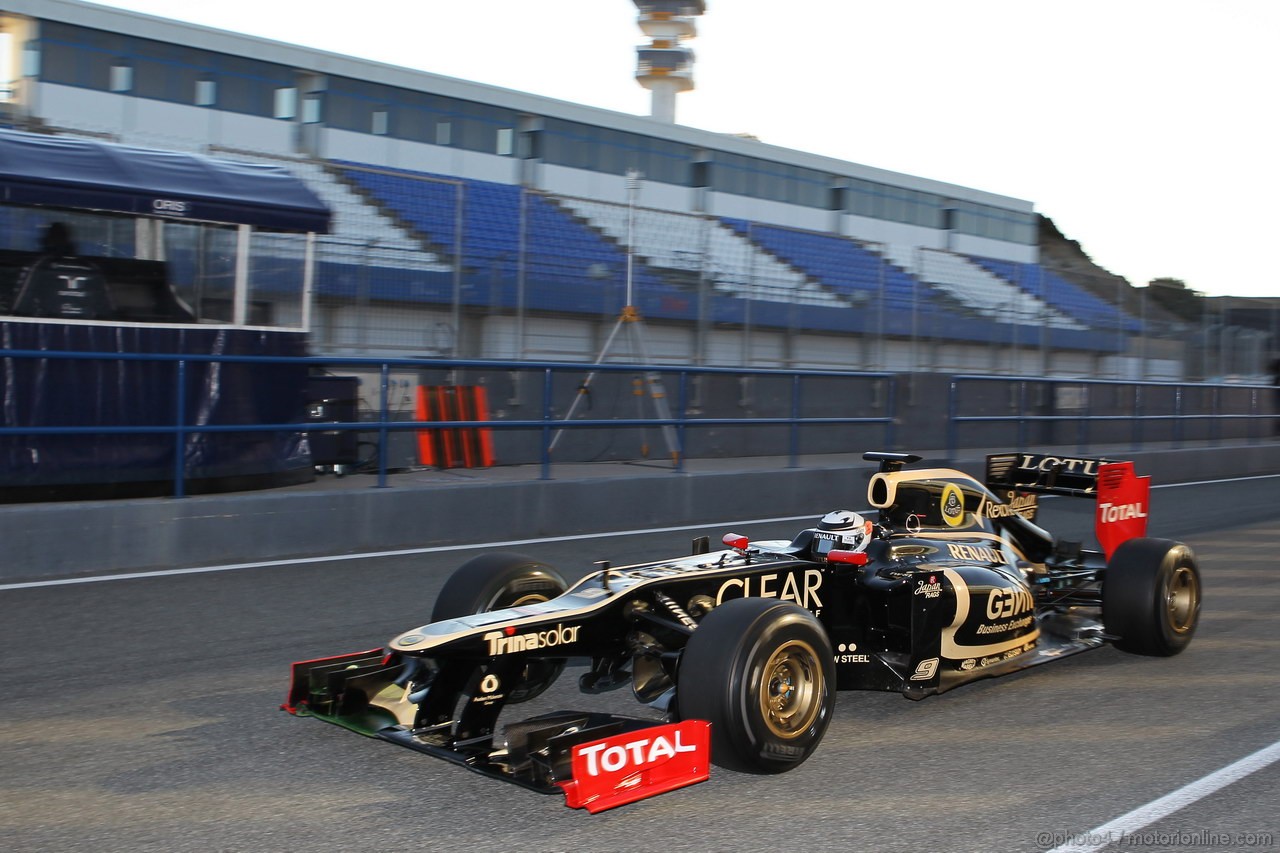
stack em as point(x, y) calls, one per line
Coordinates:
point(1146, 129)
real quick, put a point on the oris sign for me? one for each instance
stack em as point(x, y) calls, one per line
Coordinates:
point(170, 207)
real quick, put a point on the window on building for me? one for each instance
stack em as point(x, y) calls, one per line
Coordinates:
point(206, 93)
point(506, 141)
point(286, 102)
point(379, 123)
point(121, 77)
point(31, 59)
point(312, 108)
point(444, 133)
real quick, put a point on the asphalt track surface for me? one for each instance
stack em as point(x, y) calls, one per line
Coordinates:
point(141, 714)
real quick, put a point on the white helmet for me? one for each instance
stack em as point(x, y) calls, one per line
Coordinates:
point(854, 530)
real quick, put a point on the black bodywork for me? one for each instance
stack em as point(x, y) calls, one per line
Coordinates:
point(947, 581)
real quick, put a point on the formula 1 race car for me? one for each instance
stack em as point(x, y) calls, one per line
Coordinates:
point(741, 649)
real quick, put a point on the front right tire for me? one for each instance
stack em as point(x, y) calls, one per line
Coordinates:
point(495, 582)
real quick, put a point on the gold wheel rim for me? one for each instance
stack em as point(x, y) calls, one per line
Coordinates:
point(791, 690)
point(1182, 599)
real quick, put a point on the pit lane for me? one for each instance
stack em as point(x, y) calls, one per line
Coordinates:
point(141, 714)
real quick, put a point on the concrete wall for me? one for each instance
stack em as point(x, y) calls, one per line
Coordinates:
point(332, 517)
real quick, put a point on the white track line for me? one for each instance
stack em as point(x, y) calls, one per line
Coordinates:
point(1118, 830)
point(160, 573)
point(434, 549)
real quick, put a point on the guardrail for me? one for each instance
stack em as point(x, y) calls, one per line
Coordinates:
point(1006, 409)
point(680, 418)
point(1134, 407)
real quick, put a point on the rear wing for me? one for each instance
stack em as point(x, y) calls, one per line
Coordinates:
point(1122, 496)
point(1070, 476)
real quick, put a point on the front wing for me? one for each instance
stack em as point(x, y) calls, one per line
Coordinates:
point(598, 761)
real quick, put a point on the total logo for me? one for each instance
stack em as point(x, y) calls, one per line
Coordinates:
point(633, 765)
point(507, 641)
point(603, 757)
point(1110, 512)
point(803, 591)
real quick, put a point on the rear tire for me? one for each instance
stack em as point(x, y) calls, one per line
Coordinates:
point(1151, 596)
point(498, 581)
point(762, 672)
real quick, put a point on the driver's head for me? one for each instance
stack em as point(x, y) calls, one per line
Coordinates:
point(854, 530)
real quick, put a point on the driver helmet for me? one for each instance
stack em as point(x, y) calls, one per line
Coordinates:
point(854, 530)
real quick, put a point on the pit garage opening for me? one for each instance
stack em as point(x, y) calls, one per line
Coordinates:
point(115, 249)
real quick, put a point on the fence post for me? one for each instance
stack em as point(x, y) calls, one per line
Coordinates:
point(1214, 431)
point(1136, 433)
point(953, 428)
point(1082, 429)
point(546, 424)
point(1253, 413)
point(1177, 417)
point(794, 427)
point(891, 410)
point(682, 403)
point(180, 433)
point(383, 435)
point(1022, 412)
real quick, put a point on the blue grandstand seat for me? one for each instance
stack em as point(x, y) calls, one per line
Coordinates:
point(559, 250)
point(838, 263)
point(1052, 288)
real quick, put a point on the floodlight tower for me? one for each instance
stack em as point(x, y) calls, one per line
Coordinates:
point(663, 66)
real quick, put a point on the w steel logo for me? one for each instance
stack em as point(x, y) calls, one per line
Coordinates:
point(634, 765)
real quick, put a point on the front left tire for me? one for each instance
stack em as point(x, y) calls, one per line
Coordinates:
point(762, 672)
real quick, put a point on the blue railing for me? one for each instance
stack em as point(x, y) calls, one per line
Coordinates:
point(1131, 408)
point(1080, 411)
point(383, 423)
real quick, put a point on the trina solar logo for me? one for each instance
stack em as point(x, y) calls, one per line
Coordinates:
point(507, 641)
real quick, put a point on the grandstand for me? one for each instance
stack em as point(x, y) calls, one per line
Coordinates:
point(474, 221)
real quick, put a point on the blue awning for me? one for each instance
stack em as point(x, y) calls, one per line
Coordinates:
point(85, 174)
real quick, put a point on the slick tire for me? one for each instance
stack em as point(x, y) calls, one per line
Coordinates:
point(1151, 596)
point(762, 672)
point(497, 581)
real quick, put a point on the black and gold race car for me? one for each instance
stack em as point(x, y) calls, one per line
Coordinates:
point(943, 581)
